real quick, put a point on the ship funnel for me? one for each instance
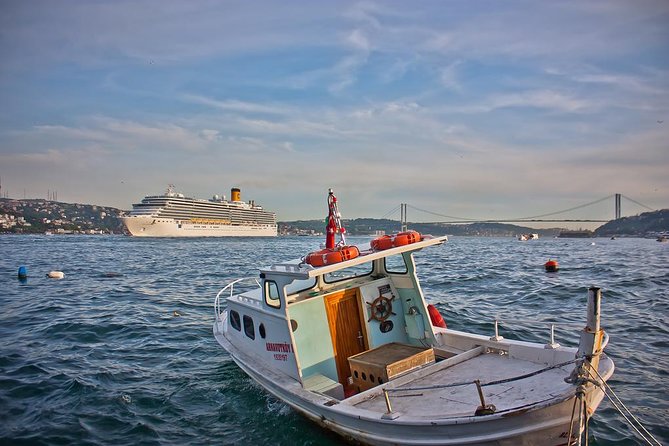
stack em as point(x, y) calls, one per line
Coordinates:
point(235, 194)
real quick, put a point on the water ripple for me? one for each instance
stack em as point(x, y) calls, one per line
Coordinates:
point(121, 350)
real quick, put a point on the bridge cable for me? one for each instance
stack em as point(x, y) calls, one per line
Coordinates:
point(391, 212)
point(520, 218)
point(640, 204)
point(566, 210)
point(441, 215)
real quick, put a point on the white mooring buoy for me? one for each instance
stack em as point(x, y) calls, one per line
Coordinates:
point(56, 275)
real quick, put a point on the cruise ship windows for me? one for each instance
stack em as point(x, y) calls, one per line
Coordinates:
point(249, 329)
point(235, 322)
point(272, 294)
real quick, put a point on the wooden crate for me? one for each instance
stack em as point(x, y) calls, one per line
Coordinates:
point(384, 363)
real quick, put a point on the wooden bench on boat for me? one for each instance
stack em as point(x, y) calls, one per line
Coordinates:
point(387, 362)
point(324, 385)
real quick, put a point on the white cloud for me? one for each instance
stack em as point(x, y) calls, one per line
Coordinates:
point(238, 106)
point(449, 76)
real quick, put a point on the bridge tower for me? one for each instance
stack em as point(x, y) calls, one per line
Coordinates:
point(403, 217)
point(618, 196)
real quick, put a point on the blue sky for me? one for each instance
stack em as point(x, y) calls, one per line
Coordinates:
point(480, 109)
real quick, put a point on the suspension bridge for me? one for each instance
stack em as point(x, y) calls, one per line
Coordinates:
point(549, 217)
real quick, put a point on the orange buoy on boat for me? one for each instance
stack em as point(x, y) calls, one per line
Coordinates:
point(381, 243)
point(331, 256)
point(551, 266)
point(405, 238)
point(435, 316)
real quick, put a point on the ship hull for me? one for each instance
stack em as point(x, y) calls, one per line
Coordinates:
point(545, 423)
point(146, 226)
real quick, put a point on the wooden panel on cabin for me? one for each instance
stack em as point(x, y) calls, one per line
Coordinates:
point(346, 330)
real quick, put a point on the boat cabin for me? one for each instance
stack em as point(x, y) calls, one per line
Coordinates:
point(340, 328)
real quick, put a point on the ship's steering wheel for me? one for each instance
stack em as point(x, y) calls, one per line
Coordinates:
point(381, 308)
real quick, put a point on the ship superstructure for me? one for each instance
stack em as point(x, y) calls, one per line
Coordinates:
point(174, 215)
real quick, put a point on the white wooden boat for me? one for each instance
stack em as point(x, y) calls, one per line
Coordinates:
point(352, 346)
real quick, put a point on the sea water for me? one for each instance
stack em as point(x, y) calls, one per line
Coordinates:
point(121, 351)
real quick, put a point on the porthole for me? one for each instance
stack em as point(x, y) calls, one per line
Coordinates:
point(249, 328)
point(235, 322)
point(355, 373)
point(380, 380)
point(371, 377)
point(293, 325)
point(364, 376)
point(261, 330)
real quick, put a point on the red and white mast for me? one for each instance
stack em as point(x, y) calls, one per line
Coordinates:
point(334, 225)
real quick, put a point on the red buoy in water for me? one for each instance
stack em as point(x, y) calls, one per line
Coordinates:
point(551, 266)
point(435, 316)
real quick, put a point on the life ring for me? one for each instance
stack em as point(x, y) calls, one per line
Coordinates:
point(381, 308)
point(331, 256)
point(406, 238)
point(381, 243)
point(435, 316)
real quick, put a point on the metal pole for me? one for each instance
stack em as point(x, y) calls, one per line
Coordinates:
point(385, 394)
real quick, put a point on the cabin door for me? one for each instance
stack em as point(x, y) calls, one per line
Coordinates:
point(348, 337)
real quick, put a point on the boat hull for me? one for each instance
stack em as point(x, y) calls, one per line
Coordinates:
point(546, 423)
point(146, 226)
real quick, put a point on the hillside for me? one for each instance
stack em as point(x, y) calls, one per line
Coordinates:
point(31, 216)
point(646, 224)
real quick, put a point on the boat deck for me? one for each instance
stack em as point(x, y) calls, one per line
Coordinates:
point(463, 400)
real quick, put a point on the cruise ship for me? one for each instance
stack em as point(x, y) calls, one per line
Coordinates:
point(175, 215)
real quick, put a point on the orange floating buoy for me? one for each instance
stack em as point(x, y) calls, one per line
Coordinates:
point(551, 266)
point(405, 238)
point(435, 316)
point(381, 243)
point(331, 256)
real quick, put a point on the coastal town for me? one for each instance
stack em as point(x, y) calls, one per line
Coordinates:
point(51, 217)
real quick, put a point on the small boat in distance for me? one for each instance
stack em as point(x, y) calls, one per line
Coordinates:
point(349, 340)
point(525, 237)
point(175, 215)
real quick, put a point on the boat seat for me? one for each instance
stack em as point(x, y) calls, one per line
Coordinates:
point(445, 352)
point(324, 385)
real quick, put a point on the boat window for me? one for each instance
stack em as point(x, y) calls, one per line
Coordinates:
point(395, 264)
point(272, 294)
point(249, 329)
point(300, 285)
point(235, 322)
point(349, 273)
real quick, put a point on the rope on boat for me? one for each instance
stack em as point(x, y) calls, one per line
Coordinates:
point(583, 419)
point(491, 383)
point(607, 389)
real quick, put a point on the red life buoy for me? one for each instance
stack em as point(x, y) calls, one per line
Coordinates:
point(331, 256)
point(551, 266)
point(405, 238)
point(381, 243)
point(435, 316)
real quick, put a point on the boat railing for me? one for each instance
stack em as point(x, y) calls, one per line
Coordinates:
point(231, 288)
point(551, 324)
